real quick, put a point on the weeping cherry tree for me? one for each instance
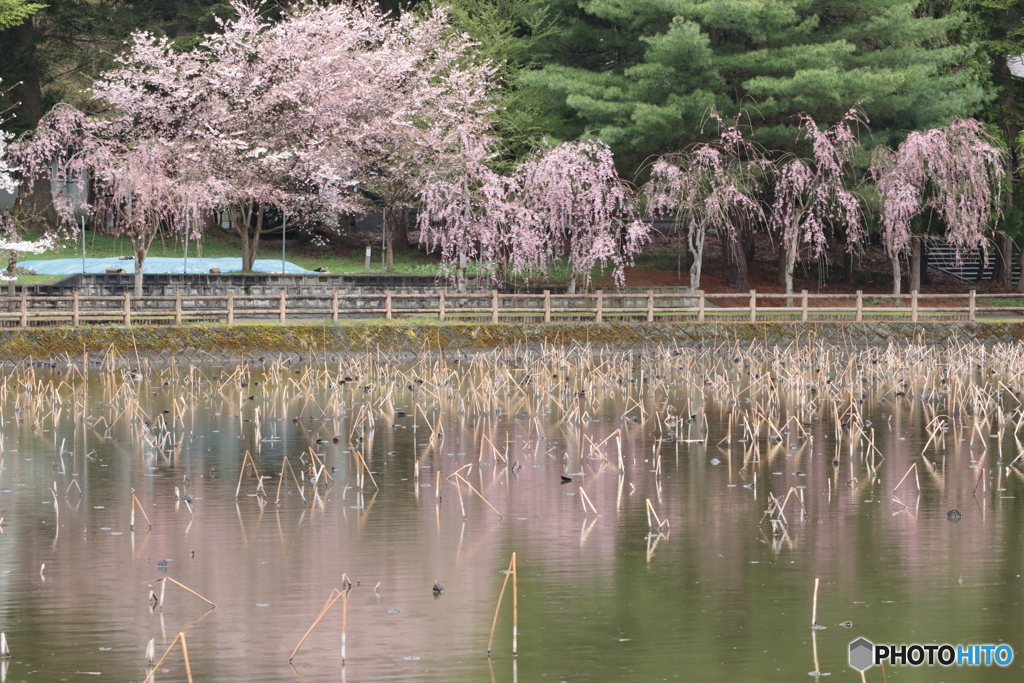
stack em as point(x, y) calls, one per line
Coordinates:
point(811, 195)
point(711, 187)
point(576, 207)
point(956, 171)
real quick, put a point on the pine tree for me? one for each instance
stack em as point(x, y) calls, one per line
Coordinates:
point(644, 74)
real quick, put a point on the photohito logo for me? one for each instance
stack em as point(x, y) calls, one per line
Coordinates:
point(864, 654)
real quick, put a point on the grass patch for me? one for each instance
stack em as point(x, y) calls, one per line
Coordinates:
point(336, 259)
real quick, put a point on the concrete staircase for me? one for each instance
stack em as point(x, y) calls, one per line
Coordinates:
point(943, 256)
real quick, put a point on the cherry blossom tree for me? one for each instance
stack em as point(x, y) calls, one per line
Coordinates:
point(140, 182)
point(468, 212)
point(811, 195)
point(956, 171)
point(435, 109)
point(574, 206)
point(299, 113)
point(710, 187)
point(266, 110)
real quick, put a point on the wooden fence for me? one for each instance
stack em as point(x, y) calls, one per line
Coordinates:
point(24, 310)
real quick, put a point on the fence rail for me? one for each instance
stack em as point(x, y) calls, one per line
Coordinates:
point(25, 311)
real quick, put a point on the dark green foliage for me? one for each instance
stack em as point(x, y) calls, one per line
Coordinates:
point(509, 33)
point(643, 74)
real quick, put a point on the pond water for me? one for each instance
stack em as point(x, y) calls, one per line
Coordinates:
point(662, 558)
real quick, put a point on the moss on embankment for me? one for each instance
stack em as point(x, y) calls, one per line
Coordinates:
point(340, 338)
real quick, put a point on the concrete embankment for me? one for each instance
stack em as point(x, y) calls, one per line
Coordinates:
point(244, 340)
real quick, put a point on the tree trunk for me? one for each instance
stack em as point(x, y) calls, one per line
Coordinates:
point(392, 221)
point(1004, 245)
point(28, 93)
point(848, 266)
point(572, 284)
point(925, 279)
point(249, 236)
point(896, 275)
point(916, 249)
point(401, 240)
point(790, 252)
point(697, 235)
point(1004, 261)
point(735, 258)
point(460, 274)
point(12, 265)
point(140, 260)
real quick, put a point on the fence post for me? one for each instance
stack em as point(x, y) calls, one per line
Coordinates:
point(753, 305)
point(913, 306)
point(231, 308)
point(177, 308)
point(127, 309)
point(387, 304)
point(494, 305)
point(24, 308)
point(547, 305)
point(860, 306)
point(599, 304)
point(74, 308)
point(366, 265)
point(972, 306)
point(334, 306)
point(803, 306)
point(440, 305)
point(650, 305)
point(281, 309)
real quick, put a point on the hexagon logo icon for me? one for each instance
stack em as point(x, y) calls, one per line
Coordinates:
point(862, 654)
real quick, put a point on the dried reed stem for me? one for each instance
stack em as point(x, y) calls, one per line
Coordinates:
point(184, 652)
point(344, 623)
point(911, 468)
point(501, 595)
point(335, 595)
point(167, 578)
point(459, 476)
point(814, 604)
point(587, 499)
point(136, 502)
point(515, 608)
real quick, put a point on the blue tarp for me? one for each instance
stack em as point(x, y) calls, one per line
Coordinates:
point(157, 264)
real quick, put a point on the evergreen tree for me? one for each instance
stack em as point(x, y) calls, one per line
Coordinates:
point(508, 33)
point(642, 74)
point(997, 26)
point(14, 12)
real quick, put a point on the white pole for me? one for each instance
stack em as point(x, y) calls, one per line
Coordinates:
point(284, 229)
point(187, 230)
point(83, 244)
